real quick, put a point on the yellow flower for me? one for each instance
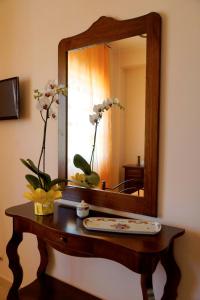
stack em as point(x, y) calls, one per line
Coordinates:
point(79, 177)
point(55, 187)
point(41, 196)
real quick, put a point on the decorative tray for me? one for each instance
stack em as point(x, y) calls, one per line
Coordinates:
point(122, 225)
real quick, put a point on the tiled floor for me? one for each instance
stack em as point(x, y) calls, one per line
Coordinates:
point(4, 286)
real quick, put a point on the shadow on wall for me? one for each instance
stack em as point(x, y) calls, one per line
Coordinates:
point(188, 258)
point(25, 96)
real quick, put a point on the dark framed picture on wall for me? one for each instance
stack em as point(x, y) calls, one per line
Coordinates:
point(9, 98)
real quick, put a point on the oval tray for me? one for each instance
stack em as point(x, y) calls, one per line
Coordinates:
point(122, 225)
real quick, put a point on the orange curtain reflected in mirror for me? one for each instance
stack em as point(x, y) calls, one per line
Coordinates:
point(89, 84)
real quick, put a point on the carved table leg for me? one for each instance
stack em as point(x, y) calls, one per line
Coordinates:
point(43, 257)
point(14, 264)
point(147, 287)
point(173, 274)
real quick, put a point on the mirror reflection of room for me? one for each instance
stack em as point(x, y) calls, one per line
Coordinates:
point(95, 73)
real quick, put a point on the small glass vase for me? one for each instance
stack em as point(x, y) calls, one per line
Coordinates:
point(43, 209)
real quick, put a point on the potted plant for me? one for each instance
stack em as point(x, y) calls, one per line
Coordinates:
point(89, 178)
point(43, 190)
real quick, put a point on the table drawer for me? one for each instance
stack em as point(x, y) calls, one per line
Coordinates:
point(68, 243)
point(134, 173)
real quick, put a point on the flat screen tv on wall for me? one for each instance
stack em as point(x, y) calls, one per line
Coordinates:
point(9, 98)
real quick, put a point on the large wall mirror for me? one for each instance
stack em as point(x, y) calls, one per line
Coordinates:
point(116, 60)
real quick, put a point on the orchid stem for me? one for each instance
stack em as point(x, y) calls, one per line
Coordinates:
point(93, 147)
point(42, 153)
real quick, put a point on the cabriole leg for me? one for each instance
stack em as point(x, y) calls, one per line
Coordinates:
point(147, 287)
point(14, 264)
point(43, 258)
point(173, 274)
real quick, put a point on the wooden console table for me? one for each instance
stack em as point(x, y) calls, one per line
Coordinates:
point(65, 232)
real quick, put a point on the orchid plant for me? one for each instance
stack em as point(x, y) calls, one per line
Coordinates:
point(89, 178)
point(42, 187)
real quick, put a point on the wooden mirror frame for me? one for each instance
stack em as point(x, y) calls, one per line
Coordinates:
point(105, 30)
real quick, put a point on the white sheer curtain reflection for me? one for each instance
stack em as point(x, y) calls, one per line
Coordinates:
point(89, 84)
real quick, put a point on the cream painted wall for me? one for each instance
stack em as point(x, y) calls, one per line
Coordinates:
point(30, 32)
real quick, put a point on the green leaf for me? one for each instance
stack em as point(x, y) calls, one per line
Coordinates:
point(81, 183)
point(58, 181)
point(30, 166)
point(41, 174)
point(34, 182)
point(82, 164)
point(44, 177)
point(92, 179)
point(27, 165)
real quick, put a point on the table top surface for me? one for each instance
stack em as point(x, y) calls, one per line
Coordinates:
point(65, 221)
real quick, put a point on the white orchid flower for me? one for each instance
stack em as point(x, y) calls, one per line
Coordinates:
point(52, 114)
point(61, 87)
point(49, 93)
point(98, 108)
point(94, 118)
point(43, 103)
point(116, 101)
point(55, 98)
point(104, 103)
point(51, 85)
point(107, 103)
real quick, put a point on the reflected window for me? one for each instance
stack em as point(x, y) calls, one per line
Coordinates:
point(89, 84)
